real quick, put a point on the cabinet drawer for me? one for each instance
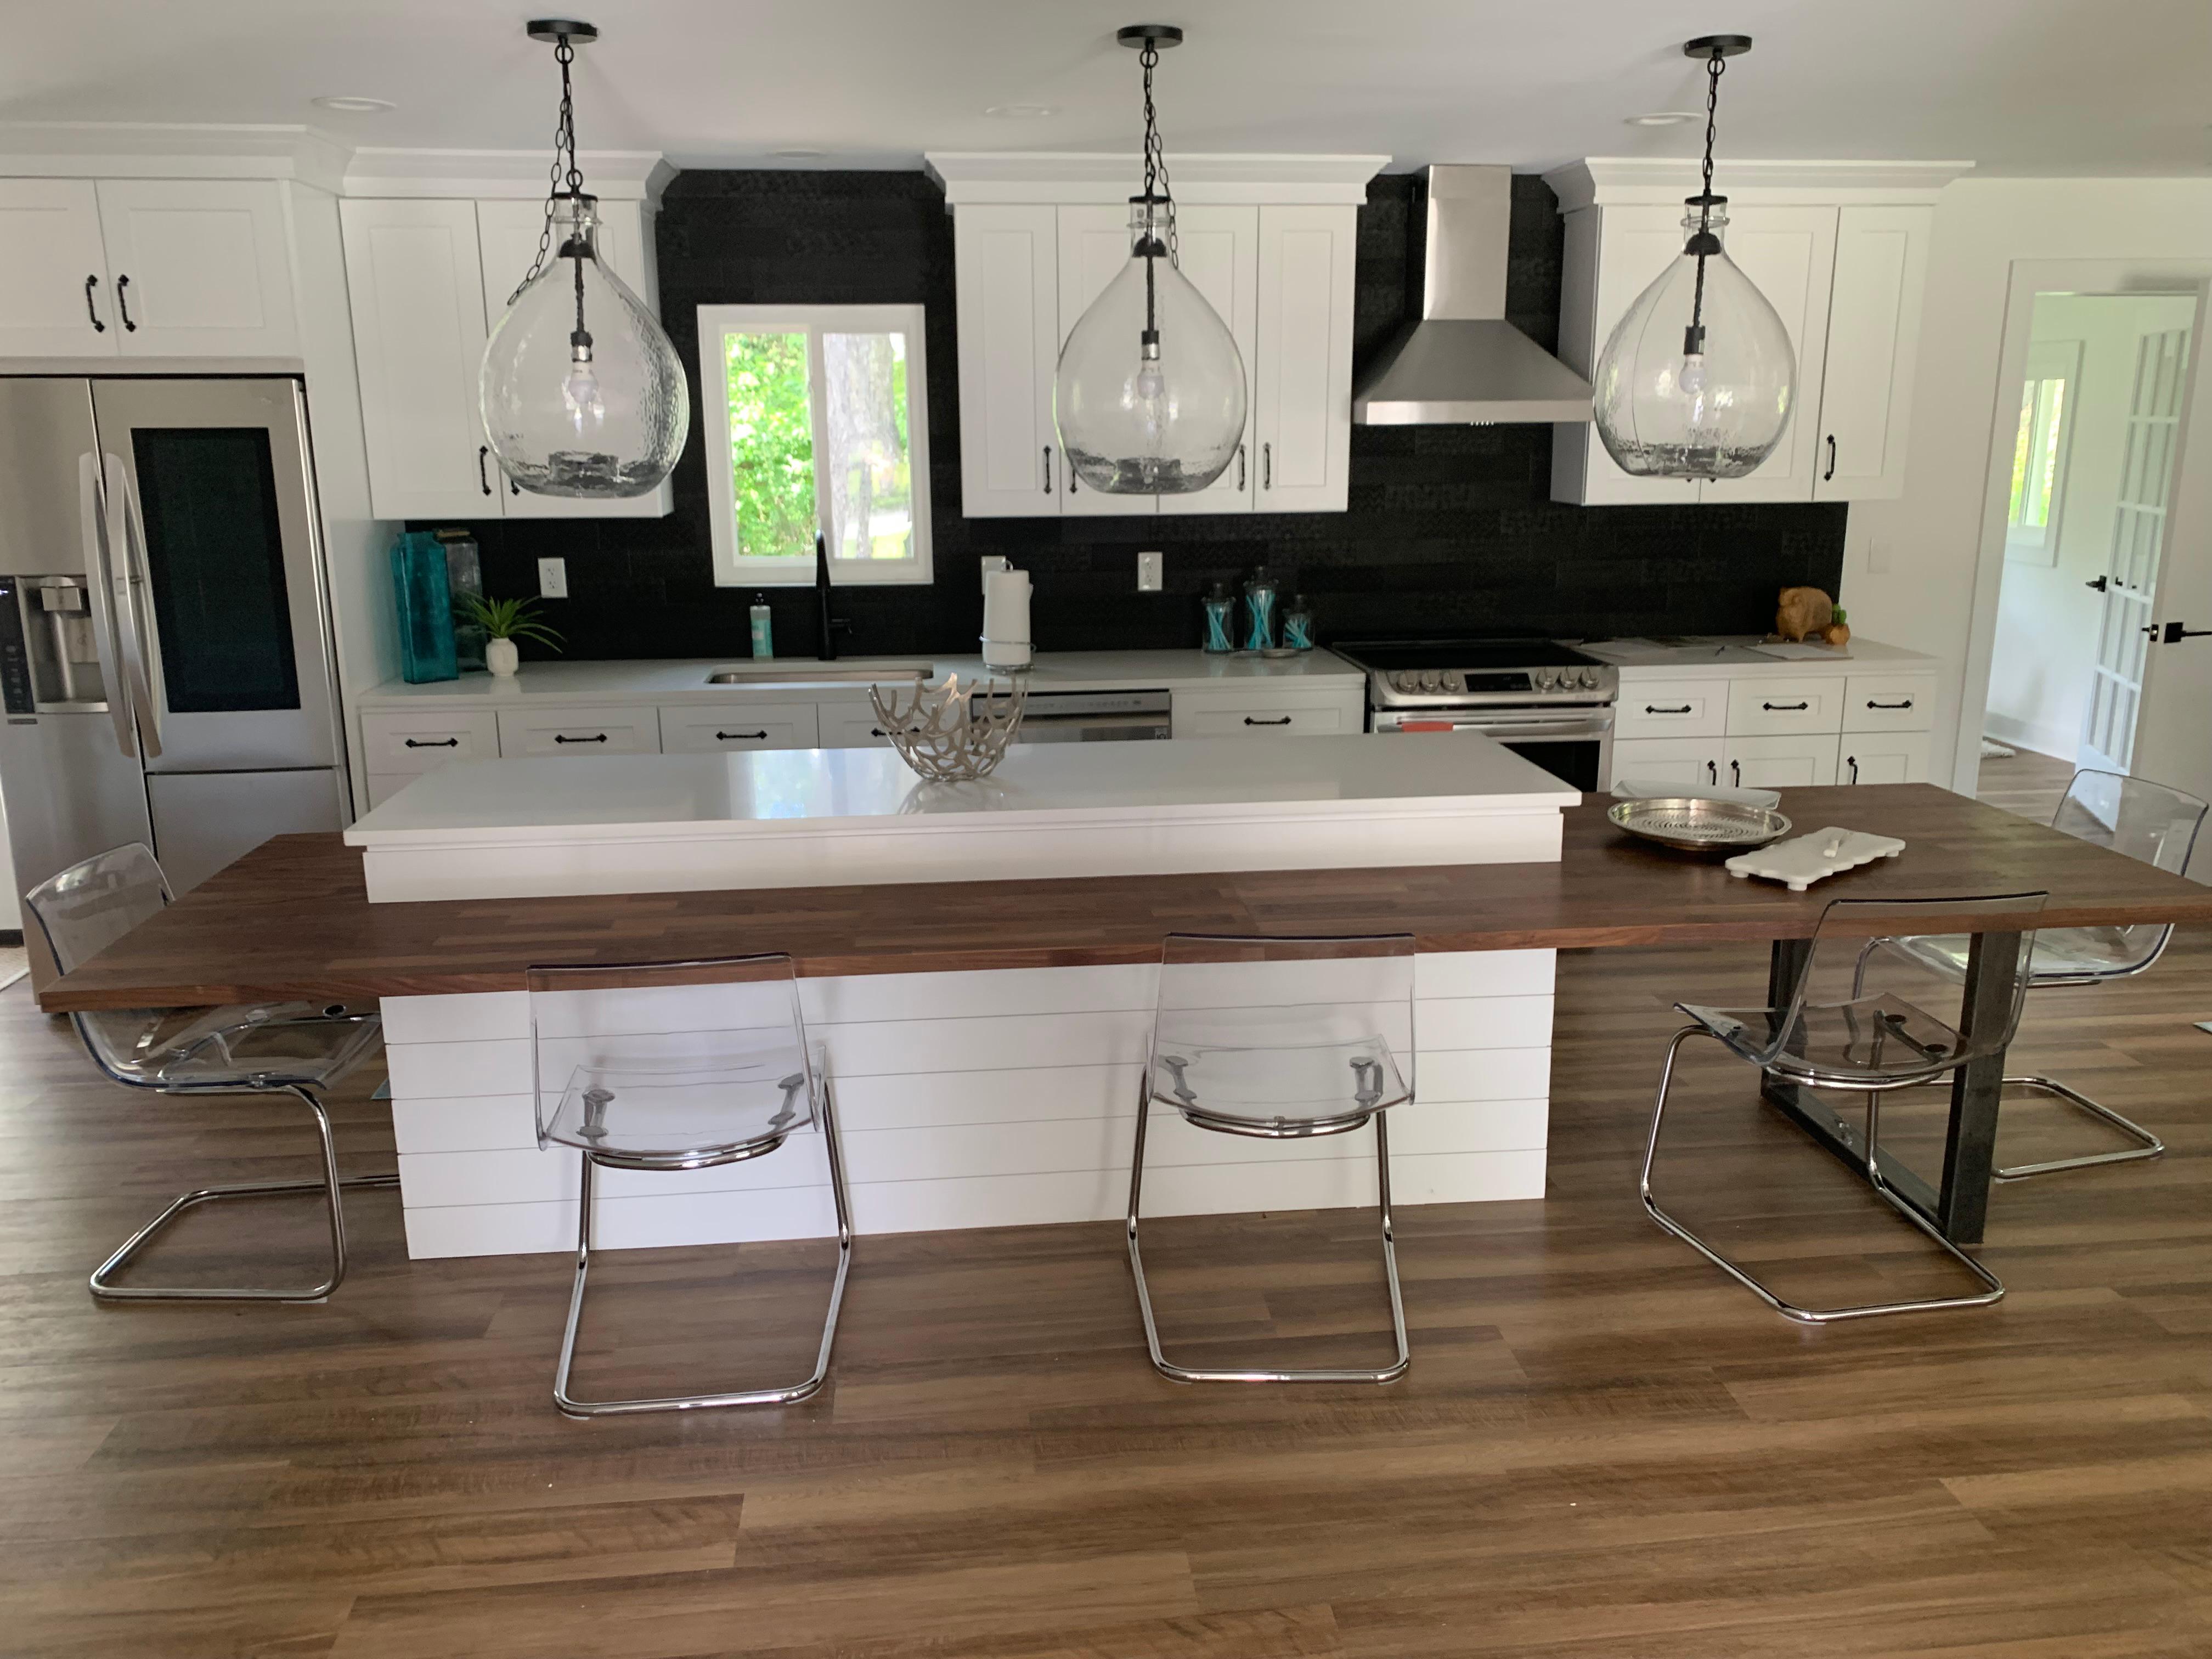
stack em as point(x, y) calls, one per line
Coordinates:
point(1889, 702)
point(1692, 762)
point(1884, 757)
point(1760, 706)
point(1790, 762)
point(843, 727)
point(580, 730)
point(1671, 708)
point(1288, 713)
point(694, 731)
point(406, 743)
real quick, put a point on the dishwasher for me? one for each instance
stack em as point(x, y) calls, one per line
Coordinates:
point(1087, 716)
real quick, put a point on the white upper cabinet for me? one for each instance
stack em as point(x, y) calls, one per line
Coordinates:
point(1840, 250)
point(428, 278)
point(1008, 312)
point(1269, 241)
point(1873, 335)
point(145, 268)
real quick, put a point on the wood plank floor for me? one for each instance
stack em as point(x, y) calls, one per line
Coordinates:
point(1603, 1449)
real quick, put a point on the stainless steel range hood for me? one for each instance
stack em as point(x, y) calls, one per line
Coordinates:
point(1463, 362)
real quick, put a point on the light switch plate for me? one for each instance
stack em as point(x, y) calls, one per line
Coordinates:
point(553, 579)
point(1150, 568)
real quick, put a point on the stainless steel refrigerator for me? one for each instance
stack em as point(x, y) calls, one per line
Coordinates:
point(165, 647)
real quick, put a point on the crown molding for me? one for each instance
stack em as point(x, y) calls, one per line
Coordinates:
point(615, 175)
point(158, 149)
point(1070, 177)
point(1614, 180)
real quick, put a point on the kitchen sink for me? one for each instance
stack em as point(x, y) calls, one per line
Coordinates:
point(814, 673)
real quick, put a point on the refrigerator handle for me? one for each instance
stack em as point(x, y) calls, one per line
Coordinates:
point(92, 513)
point(135, 626)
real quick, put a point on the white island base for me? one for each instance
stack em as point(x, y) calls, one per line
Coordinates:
point(966, 1099)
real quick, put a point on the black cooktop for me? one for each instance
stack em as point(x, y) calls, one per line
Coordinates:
point(1391, 655)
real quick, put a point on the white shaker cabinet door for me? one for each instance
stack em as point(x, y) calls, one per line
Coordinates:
point(1884, 757)
point(1791, 762)
point(1006, 260)
point(201, 268)
point(506, 236)
point(1301, 426)
point(1093, 247)
point(1220, 249)
point(415, 279)
point(1789, 255)
point(55, 299)
point(1873, 335)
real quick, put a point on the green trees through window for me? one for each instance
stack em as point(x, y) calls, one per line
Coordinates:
point(771, 444)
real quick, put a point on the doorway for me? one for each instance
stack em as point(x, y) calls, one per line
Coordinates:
point(2095, 423)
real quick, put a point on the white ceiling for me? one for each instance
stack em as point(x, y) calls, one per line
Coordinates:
point(2020, 86)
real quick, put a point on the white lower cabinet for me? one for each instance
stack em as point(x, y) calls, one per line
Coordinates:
point(1310, 712)
point(845, 726)
point(1884, 757)
point(693, 731)
point(578, 730)
point(1785, 762)
point(1693, 762)
point(400, 746)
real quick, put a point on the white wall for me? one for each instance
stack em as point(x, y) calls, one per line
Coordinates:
point(2047, 618)
point(1929, 539)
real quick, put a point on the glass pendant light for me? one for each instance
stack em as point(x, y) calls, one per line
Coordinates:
point(1698, 380)
point(1150, 394)
point(581, 392)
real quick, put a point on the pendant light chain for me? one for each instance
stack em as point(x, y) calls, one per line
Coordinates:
point(1693, 339)
point(564, 150)
point(1157, 184)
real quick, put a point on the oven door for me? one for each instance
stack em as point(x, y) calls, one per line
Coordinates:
point(1574, 742)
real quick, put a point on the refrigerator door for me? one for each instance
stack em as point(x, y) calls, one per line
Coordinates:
point(70, 794)
point(45, 426)
point(203, 821)
point(219, 574)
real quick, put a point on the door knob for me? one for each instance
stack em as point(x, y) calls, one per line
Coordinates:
point(2175, 633)
point(2099, 584)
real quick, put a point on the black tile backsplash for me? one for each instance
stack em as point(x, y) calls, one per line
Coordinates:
point(1449, 528)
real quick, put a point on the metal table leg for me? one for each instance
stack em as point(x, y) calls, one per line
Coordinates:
point(1961, 1206)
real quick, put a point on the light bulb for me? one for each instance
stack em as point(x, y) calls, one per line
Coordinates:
point(1150, 388)
point(1691, 376)
point(580, 392)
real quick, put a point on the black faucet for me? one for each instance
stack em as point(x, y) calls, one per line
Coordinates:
point(830, 625)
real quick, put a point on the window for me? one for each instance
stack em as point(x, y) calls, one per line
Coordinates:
point(820, 423)
point(2039, 462)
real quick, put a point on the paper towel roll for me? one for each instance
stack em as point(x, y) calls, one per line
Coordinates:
point(1006, 606)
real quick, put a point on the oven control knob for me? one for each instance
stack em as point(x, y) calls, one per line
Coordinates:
point(1455, 683)
point(1402, 681)
point(1433, 681)
point(1547, 679)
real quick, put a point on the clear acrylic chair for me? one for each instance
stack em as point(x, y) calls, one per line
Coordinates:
point(1279, 1039)
point(679, 1065)
point(1870, 1042)
point(296, 1049)
point(2145, 821)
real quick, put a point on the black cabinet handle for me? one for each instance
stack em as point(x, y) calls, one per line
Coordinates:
point(1712, 772)
point(122, 303)
point(1267, 467)
point(90, 283)
point(1736, 771)
point(1852, 761)
point(1871, 703)
point(512, 487)
point(2096, 587)
point(1284, 721)
point(1785, 708)
point(1831, 472)
point(483, 478)
point(600, 738)
point(731, 736)
point(434, 742)
point(1654, 709)
point(1240, 462)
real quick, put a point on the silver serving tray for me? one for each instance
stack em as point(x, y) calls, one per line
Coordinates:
point(1696, 824)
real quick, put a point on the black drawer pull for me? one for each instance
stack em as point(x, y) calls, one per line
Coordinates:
point(434, 742)
point(1871, 703)
point(1654, 709)
point(90, 283)
point(877, 731)
point(1785, 708)
point(1284, 721)
point(483, 478)
point(122, 303)
point(733, 736)
point(601, 738)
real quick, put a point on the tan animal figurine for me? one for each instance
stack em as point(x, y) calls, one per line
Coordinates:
point(1802, 611)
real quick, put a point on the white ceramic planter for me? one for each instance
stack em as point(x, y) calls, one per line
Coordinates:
point(500, 657)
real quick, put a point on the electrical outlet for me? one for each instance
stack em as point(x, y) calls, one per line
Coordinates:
point(1149, 572)
point(552, 579)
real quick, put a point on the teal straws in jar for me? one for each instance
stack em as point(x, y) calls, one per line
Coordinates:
point(1260, 612)
point(1298, 625)
point(1220, 620)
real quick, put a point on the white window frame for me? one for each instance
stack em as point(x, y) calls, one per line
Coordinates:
point(2059, 361)
point(732, 569)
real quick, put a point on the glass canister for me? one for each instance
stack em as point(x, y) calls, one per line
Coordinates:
point(426, 609)
point(1220, 619)
point(1260, 612)
point(465, 578)
point(1298, 625)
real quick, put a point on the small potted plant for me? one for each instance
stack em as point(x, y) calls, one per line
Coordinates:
point(504, 622)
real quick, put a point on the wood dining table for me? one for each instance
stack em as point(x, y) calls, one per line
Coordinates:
point(291, 919)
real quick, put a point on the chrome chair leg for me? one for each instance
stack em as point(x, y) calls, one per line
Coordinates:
point(782, 1396)
point(1993, 1288)
point(2147, 1144)
point(105, 1288)
point(1168, 1367)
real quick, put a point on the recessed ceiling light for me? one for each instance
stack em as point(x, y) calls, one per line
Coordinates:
point(354, 106)
point(1021, 111)
point(798, 153)
point(1662, 117)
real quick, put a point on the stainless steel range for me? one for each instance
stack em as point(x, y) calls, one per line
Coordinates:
point(1545, 701)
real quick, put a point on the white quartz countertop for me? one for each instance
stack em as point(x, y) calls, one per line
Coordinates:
point(684, 679)
point(1728, 656)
